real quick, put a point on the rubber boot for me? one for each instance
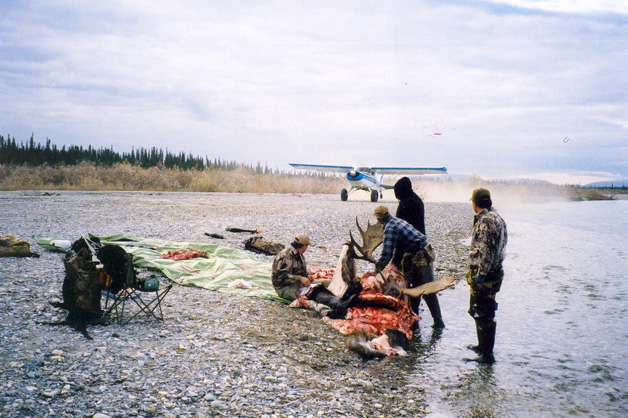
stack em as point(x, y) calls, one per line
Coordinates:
point(426, 275)
point(491, 329)
point(414, 307)
point(486, 337)
point(414, 304)
point(477, 348)
point(432, 303)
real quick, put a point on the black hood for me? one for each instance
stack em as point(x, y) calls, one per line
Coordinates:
point(403, 188)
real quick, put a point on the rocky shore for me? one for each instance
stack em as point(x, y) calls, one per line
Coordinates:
point(215, 354)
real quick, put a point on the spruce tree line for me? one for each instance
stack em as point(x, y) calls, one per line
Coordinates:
point(34, 154)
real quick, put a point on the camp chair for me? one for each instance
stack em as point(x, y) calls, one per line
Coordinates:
point(125, 296)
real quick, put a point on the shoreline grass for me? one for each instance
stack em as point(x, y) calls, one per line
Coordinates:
point(127, 177)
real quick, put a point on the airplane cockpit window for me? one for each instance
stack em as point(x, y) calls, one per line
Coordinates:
point(364, 169)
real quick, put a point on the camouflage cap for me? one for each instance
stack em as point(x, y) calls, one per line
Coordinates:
point(302, 239)
point(480, 194)
point(380, 211)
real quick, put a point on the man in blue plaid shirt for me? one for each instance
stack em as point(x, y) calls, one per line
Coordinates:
point(417, 257)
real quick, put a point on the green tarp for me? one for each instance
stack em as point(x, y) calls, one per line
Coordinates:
point(224, 265)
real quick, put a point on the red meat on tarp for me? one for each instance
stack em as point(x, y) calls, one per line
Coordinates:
point(376, 312)
point(183, 255)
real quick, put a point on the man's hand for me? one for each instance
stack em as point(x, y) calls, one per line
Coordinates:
point(479, 279)
point(305, 281)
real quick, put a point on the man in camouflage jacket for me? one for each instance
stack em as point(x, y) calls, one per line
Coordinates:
point(485, 275)
point(291, 280)
point(289, 272)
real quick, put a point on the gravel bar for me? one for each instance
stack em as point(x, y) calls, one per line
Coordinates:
point(216, 354)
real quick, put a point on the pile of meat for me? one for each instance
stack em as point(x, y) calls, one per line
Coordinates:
point(374, 311)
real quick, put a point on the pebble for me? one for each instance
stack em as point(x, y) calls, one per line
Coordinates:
point(215, 354)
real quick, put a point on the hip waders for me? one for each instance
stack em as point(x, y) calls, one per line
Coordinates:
point(417, 269)
point(482, 308)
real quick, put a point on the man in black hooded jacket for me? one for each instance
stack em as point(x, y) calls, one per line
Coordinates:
point(411, 210)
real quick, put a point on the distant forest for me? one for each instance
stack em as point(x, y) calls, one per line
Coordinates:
point(33, 166)
point(34, 154)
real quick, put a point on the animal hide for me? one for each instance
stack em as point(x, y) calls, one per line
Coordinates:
point(344, 274)
point(369, 345)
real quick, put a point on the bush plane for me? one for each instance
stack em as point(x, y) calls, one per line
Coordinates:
point(368, 179)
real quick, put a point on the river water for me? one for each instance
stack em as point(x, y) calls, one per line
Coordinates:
point(562, 322)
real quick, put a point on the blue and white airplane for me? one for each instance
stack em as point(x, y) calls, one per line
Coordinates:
point(368, 179)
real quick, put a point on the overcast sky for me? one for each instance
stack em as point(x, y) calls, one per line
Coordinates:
point(500, 89)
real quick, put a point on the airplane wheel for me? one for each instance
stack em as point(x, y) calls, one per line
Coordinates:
point(344, 195)
point(374, 196)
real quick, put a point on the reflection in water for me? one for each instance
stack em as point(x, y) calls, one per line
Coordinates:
point(425, 348)
point(418, 350)
point(480, 390)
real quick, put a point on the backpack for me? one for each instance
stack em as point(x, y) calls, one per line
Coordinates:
point(81, 294)
point(81, 290)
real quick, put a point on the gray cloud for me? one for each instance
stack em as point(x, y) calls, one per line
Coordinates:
point(491, 88)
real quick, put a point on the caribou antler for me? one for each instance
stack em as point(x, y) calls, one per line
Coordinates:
point(371, 238)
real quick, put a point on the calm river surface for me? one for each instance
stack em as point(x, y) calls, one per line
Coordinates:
point(562, 322)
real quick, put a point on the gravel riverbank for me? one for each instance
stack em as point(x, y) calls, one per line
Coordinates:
point(216, 354)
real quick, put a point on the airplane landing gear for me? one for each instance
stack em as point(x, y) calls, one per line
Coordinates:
point(344, 195)
point(374, 195)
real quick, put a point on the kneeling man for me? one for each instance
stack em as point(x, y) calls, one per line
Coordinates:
point(291, 279)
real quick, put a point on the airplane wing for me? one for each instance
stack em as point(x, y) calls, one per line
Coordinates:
point(410, 170)
point(322, 167)
point(382, 170)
